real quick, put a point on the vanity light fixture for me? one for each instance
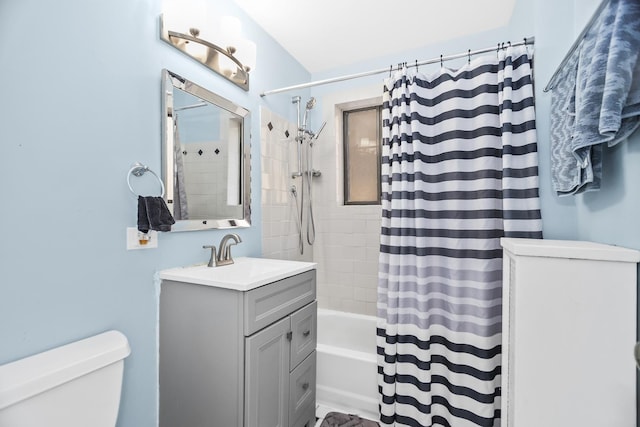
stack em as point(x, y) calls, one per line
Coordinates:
point(226, 60)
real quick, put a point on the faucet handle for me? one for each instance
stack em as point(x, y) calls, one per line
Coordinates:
point(213, 254)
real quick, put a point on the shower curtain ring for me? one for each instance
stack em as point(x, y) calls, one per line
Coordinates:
point(416, 65)
point(441, 64)
point(390, 69)
point(468, 56)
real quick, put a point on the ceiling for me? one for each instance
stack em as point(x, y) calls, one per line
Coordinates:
point(325, 34)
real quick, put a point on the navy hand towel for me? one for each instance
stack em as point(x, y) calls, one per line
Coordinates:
point(153, 214)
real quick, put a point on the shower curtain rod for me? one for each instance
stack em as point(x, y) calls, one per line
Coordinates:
point(525, 41)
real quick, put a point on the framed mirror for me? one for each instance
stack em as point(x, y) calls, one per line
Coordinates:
point(206, 157)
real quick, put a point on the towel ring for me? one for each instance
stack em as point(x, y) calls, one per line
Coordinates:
point(138, 169)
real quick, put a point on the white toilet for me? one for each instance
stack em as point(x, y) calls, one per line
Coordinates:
point(76, 385)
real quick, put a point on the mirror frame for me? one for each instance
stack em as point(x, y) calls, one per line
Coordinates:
point(171, 81)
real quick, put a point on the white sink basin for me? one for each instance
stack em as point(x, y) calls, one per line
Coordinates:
point(243, 275)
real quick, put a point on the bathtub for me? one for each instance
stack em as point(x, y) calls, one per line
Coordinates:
point(346, 363)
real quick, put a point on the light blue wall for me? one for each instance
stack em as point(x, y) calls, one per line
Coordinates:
point(80, 104)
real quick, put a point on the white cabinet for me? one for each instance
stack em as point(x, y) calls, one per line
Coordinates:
point(569, 329)
point(232, 358)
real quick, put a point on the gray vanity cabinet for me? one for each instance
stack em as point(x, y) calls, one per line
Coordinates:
point(238, 358)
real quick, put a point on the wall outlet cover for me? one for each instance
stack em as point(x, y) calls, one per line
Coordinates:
point(138, 240)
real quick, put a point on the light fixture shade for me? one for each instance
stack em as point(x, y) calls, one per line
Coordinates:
point(180, 16)
point(246, 54)
point(197, 51)
point(227, 66)
point(230, 31)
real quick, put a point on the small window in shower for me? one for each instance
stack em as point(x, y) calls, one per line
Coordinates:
point(362, 150)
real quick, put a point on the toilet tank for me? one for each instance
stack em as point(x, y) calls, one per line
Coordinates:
point(75, 385)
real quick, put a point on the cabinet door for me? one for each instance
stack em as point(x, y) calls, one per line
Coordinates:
point(267, 376)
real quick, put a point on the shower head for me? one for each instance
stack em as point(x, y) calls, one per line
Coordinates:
point(310, 104)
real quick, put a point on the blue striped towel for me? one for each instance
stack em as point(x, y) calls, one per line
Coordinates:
point(606, 104)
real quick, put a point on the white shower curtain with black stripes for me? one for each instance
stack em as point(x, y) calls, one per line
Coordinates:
point(459, 171)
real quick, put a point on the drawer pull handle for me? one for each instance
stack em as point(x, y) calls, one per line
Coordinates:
point(305, 386)
point(306, 333)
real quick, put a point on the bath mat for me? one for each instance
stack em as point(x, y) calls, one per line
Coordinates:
point(338, 419)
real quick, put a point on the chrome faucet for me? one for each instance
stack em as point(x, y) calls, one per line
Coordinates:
point(224, 253)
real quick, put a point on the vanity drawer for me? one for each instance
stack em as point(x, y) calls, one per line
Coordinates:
point(269, 303)
point(303, 333)
point(302, 387)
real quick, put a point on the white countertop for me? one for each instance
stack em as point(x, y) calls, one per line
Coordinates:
point(243, 275)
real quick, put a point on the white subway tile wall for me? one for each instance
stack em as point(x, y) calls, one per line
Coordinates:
point(202, 166)
point(347, 253)
point(347, 237)
point(280, 238)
